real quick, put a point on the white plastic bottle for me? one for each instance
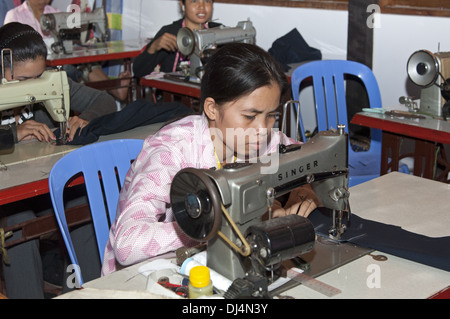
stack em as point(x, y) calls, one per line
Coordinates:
point(200, 283)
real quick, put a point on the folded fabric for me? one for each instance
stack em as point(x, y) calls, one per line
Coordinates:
point(135, 114)
point(390, 239)
point(292, 48)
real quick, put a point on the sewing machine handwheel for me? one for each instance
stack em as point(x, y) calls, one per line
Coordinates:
point(196, 204)
point(185, 41)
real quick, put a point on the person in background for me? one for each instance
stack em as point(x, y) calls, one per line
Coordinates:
point(5, 6)
point(24, 275)
point(29, 61)
point(242, 90)
point(162, 51)
point(30, 13)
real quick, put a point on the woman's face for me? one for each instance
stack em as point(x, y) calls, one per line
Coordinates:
point(24, 70)
point(38, 4)
point(243, 127)
point(197, 13)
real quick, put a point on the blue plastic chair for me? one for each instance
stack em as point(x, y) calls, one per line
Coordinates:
point(103, 166)
point(328, 78)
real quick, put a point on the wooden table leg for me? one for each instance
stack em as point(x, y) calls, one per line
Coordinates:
point(443, 164)
point(390, 152)
point(424, 158)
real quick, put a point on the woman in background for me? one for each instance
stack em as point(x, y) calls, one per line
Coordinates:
point(24, 275)
point(163, 51)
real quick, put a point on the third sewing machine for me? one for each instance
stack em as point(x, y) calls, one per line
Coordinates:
point(66, 31)
point(431, 72)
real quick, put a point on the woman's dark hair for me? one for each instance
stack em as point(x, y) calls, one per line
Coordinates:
point(237, 69)
point(25, 43)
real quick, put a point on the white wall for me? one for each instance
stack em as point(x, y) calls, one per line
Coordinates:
point(394, 41)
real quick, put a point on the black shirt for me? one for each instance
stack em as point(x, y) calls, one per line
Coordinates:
point(145, 63)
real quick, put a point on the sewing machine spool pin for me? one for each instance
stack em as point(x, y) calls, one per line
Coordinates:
point(270, 200)
point(10, 63)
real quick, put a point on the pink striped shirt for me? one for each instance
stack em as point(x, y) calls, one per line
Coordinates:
point(144, 225)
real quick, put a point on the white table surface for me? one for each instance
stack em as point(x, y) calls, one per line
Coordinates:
point(32, 161)
point(415, 203)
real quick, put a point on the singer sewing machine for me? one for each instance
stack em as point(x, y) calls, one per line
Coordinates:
point(51, 88)
point(431, 71)
point(241, 244)
point(67, 30)
point(199, 45)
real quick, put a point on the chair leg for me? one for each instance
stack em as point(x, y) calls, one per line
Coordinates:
point(2, 281)
point(443, 162)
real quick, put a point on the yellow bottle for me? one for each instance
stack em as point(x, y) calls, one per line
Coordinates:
point(200, 283)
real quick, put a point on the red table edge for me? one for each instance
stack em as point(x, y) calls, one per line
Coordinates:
point(442, 294)
point(401, 128)
point(92, 58)
point(178, 88)
point(29, 190)
point(172, 87)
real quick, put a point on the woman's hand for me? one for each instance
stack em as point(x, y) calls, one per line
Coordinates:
point(75, 123)
point(302, 208)
point(31, 129)
point(302, 201)
point(167, 42)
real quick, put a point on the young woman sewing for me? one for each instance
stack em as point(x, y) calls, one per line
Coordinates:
point(162, 51)
point(242, 90)
point(24, 275)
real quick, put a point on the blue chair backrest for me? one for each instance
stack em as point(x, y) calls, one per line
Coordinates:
point(328, 80)
point(104, 166)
